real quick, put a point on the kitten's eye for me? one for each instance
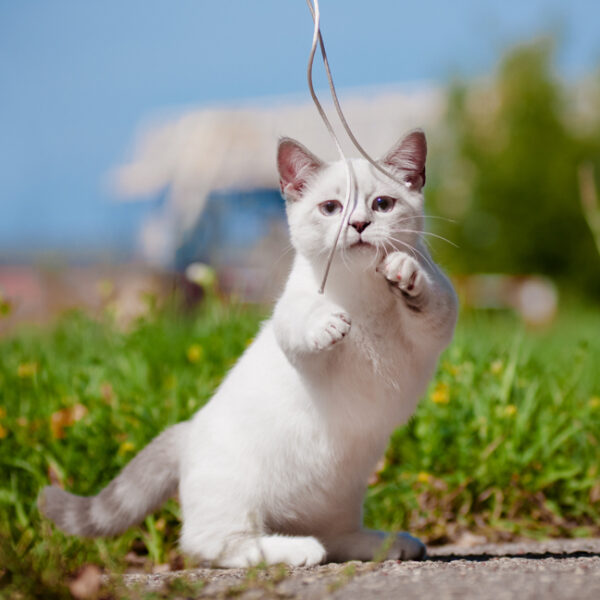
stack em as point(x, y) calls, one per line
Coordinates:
point(330, 207)
point(383, 204)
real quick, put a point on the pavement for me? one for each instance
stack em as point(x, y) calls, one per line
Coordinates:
point(548, 570)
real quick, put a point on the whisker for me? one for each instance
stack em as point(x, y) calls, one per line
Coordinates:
point(440, 218)
point(427, 243)
point(373, 262)
point(416, 217)
point(343, 257)
point(288, 248)
point(435, 235)
point(413, 250)
point(410, 248)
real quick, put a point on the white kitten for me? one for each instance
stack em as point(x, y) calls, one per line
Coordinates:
point(274, 468)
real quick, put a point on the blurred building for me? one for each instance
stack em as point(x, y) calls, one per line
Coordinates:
point(216, 171)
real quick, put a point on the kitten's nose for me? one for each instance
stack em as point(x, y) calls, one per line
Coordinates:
point(360, 226)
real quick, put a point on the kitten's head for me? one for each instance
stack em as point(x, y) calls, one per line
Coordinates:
point(388, 213)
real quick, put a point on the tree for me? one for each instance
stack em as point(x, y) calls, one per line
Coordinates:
point(510, 174)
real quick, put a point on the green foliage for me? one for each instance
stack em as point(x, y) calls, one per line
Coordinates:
point(508, 173)
point(506, 441)
point(76, 403)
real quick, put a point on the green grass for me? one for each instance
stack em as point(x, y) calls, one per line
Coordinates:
point(506, 443)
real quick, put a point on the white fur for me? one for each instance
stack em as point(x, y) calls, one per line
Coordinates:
point(275, 466)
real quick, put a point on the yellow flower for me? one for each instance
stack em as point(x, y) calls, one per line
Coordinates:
point(441, 393)
point(594, 402)
point(423, 477)
point(126, 447)
point(454, 370)
point(3, 432)
point(27, 370)
point(496, 367)
point(510, 410)
point(195, 353)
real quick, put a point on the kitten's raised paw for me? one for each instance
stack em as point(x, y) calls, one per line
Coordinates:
point(404, 271)
point(327, 329)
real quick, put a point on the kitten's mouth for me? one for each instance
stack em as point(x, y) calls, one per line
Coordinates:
point(361, 244)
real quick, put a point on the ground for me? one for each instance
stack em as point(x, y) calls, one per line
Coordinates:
point(555, 569)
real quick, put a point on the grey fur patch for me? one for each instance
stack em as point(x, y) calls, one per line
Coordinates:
point(414, 303)
point(66, 510)
point(143, 485)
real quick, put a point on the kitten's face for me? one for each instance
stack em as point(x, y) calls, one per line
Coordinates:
point(387, 216)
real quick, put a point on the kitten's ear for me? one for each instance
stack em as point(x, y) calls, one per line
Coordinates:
point(296, 165)
point(407, 158)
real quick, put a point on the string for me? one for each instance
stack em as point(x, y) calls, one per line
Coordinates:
point(350, 182)
point(337, 105)
point(313, 6)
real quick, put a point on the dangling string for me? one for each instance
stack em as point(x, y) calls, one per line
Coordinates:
point(350, 182)
point(335, 99)
point(313, 6)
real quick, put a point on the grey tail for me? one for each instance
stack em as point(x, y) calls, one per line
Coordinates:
point(143, 485)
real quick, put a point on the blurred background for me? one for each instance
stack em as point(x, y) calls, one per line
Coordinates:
point(139, 138)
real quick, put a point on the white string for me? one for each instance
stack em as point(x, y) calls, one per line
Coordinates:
point(350, 182)
point(336, 101)
point(313, 6)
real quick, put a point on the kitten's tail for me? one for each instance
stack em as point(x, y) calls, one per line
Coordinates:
point(141, 487)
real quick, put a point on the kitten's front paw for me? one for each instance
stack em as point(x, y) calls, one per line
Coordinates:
point(404, 271)
point(327, 329)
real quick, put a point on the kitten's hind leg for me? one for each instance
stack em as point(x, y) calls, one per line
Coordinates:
point(219, 529)
point(367, 544)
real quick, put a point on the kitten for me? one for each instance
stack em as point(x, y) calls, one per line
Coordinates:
point(274, 468)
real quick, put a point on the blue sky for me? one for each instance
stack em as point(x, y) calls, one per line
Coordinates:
point(77, 78)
